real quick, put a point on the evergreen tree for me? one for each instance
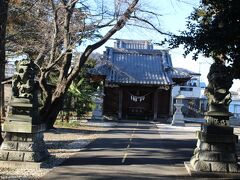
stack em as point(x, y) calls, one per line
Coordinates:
point(80, 93)
point(213, 29)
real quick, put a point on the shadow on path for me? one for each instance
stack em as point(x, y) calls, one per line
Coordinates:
point(131, 151)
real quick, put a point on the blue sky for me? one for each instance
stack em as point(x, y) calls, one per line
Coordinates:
point(173, 19)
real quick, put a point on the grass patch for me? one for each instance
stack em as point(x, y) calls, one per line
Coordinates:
point(65, 124)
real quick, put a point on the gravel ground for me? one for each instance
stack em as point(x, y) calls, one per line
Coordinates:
point(61, 143)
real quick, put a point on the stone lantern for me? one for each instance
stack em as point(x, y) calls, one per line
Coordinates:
point(97, 113)
point(178, 119)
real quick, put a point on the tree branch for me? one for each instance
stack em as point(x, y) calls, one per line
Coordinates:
point(119, 25)
point(56, 30)
point(152, 25)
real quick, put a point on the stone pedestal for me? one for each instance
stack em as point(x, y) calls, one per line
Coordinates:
point(23, 147)
point(178, 119)
point(23, 141)
point(215, 153)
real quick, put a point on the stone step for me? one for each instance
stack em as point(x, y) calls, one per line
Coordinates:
point(22, 127)
point(25, 105)
point(21, 118)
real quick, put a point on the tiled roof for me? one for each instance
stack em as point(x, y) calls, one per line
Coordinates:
point(180, 73)
point(136, 62)
point(186, 71)
point(134, 67)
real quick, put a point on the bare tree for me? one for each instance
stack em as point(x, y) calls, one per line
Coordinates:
point(51, 32)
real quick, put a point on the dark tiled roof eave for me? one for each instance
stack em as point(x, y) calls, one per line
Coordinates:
point(137, 84)
point(179, 73)
point(135, 51)
point(136, 66)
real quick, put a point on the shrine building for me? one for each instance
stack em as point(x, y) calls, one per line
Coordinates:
point(138, 80)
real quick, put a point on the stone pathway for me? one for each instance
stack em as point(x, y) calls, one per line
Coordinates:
point(132, 150)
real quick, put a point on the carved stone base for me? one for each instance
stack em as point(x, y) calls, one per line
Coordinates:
point(97, 115)
point(22, 165)
point(215, 151)
point(204, 174)
point(23, 147)
point(178, 120)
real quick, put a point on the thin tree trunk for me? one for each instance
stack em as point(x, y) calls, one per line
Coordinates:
point(3, 23)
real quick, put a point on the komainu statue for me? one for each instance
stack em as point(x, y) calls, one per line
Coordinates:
point(23, 80)
point(215, 152)
point(217, 91)
point(23, 141)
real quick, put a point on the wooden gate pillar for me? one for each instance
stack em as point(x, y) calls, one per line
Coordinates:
point(155, 104)
point(120, 100)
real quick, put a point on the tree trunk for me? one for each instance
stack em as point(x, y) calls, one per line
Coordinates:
point(3, 23)
point(50, 112)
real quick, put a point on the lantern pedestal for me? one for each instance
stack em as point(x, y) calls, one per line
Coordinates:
point(178, 118)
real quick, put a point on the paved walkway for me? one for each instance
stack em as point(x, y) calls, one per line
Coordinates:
point(133, 150)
